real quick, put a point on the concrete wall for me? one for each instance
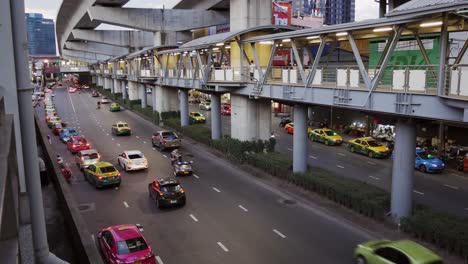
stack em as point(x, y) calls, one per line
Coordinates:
point(249, 13)
point(250, 119)
point(167, 99)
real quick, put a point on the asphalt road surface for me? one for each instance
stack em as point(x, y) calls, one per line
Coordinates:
point(230, 216)
point(446, 191)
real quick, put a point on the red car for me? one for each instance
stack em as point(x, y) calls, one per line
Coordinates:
point(57, 128)
point(77, 144)
point(226, 110)
point(125, 244)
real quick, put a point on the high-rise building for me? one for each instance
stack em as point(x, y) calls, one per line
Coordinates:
point(336, 11)
point(41, 34)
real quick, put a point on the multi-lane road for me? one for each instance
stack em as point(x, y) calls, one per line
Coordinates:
point(446, 191)
point(230, 216)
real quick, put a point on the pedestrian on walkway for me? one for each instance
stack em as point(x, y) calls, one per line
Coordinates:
point(251, 70)
point(272, 141)
point(43, 172)
point(49, 139)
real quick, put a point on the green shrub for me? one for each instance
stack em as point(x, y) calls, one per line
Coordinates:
point(147, 111)
point(170, 114)
point(274, 163)
point(237, 150)
point(173, 123)
point(198, 132)
point(444, 230)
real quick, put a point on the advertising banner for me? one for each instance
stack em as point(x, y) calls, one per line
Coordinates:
point(282, 13)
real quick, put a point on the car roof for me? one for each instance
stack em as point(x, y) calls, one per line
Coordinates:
point(78, 137)
point(88, 151)
point(167, 181)
point(125, 232)
point(120, 122)
point(415, 251)
point(420, 150)
point(366, 138)
point(102, 164)
point(131, 152)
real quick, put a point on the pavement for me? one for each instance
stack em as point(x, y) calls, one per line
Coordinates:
point(446, 191)
point(230, 216)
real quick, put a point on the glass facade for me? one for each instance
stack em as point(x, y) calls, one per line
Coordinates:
point(41, 34)
point(338, 11)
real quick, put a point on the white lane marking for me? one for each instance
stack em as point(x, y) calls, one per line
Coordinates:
point(222, 246)
point(118, 144)
point(279, 233)
point(373, 177)
point(159, 260)
point(312, 157)
point(103, 130)
point(466, 208)
point(418, 192)
point(73, 106)
point(137, 136)
point(341, 154)
point(452, 187)
point(371, 163)
point(243, 208)
point(194, 218)
point(164, 156)
point(144, 142)
point(196, 176)
point(339, 166)
point(290, 149)
point(217, 190)
point(92, 237)
point(125, 204)
point(154, 148)
point(81, 131)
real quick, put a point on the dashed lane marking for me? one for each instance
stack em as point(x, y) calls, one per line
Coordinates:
point(371, 163)
point(154, 148)
point(118, 144)
point(107, 134)
point(452, 187)
point(223, 247)
point(216, 189)
point(137, 136)
point(158, 258)
point(194, 218)
point(92, 237)
point(290, 149)
point(373, 177)
point(113, 138)
point(196, 176)
point(243, 208)
point(339, 166)
point(418, 192)
point(144, 142)
point(125, 204)
point(312, 157)
point(341, 154)
point(279, 233)
point(165, 156)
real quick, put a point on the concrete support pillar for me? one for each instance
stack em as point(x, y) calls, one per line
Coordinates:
point(111, 85)
point(300, 139)
point(250, 119)
point(250, 13)
point(465, 115)
point(143, 97)
point(132, 90)
point(153, 99)
point(117, 87)
point(215, 116)
point(93, 79)
point(124, 89)
point(403, 170)
point(310, 113)
point(441, 136)
point(167, 99)
point(184, 107)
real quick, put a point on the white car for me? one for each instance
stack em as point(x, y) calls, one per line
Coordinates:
point(205, 106)
point(86, 158)
point(72, 89)
point(105, 100)
point(132, 160)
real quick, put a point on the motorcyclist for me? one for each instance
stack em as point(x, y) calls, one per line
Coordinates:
point(99, 105)
point(175, 157)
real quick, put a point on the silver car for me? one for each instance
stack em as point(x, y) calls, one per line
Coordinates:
point(86, 158)
point(165, 140)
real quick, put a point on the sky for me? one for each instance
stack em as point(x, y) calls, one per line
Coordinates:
point(365, 9)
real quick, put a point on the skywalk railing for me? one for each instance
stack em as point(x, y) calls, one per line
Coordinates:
point(456, 81)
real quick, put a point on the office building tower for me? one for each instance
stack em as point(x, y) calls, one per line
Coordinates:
point(41, 34)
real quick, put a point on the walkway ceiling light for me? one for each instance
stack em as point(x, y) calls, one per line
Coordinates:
point(227, 47)
point(339, 34)
point(219, 44)
point(382, 29)
point(215, 48)
point(267, 42)
point(431, 24)
point(313, 37)
point(286, 40)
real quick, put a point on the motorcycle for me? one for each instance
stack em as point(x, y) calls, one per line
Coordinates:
point(179, 166)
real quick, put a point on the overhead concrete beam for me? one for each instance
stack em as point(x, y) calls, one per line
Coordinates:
point(97, 48)
point(85, 55)
point(157, 19)
point(72, 58)
point(127, 38)
point(190, 4)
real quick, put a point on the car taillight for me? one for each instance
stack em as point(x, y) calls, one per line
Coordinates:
point(118, 174)
point(82, 158)
point(73, 146)
point(87, 144)
point(100, 178)
point(99, 156)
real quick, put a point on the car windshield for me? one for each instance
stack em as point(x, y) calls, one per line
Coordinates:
point(53, 118)
point(171, 188)
point(107, 169)
point(72, 131)
point(185, 166)
point(90, 156)
point(373, 143)
point(196, 114)
point(80, 140)
point(104, 98)
point(169, 135)
point(330, 133)
point(58, 125)
point(123, 125)
point(135, 156)
point(131, 245)
point(425, 155)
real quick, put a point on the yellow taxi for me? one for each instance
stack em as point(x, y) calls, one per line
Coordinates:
point(325, 136)
point(196, 117)
point(368, 146)
point(102, 174)
point(121, 128)
point(53, 120)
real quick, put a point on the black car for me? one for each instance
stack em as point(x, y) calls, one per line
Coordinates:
point(285, 121)
point(166, 192)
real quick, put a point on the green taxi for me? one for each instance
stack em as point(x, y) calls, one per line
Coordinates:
point(121, 128)
point(401, 252)
point(325, 136)
point(368, 146)
point(114, 107)
point(102, 174)
point(196, 117)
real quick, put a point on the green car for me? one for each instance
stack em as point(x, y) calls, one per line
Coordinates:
point(121, 128)
point(397, 252)
point(102, 174)
point(114, 107)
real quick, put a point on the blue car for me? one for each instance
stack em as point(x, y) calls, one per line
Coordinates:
point(427, 163)
point(66, 133)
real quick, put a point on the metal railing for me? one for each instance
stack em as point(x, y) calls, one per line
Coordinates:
point(121, 72)
point(456, 80)
point(70, 68)
point(9, 203)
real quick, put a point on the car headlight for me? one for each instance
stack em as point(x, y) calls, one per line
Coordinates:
point(433, 165)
